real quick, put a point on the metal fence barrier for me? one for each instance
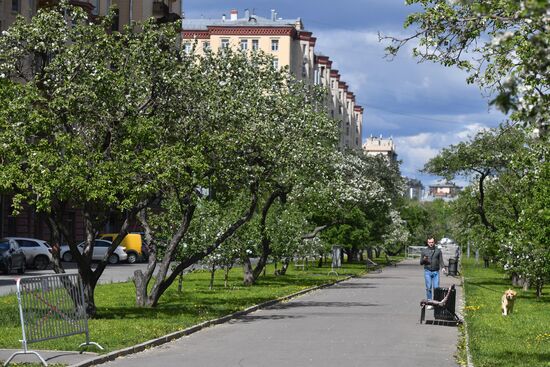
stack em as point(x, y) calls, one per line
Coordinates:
point(50, 307)
point(414, 251)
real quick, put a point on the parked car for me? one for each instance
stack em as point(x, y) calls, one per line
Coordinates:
point(11, 257)
point(38, 253)
point(132, 244)
point(100, 249)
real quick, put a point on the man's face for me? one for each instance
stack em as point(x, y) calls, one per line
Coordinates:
point(431, 242)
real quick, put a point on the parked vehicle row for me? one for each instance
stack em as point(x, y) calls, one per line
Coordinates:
point(20, 253)
point(38, 253)
point(11, 257)
point(100, 249)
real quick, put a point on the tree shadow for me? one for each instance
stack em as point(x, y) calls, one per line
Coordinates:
point(252, 318)
point(296, 304)
point(353, 286)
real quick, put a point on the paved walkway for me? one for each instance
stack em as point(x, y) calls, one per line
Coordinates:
point(369, 321)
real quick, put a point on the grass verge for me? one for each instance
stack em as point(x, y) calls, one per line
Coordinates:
point(120, 324)
point(520, 339)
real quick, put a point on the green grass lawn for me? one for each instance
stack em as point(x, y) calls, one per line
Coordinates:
point(520, 339)
point(120, 324)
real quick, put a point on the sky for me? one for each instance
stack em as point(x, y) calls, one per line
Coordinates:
point(424, 107)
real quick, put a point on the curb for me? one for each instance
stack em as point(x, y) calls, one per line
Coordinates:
point(193, 329)
point(469, 362)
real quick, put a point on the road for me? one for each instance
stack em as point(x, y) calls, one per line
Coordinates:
point(113, 274)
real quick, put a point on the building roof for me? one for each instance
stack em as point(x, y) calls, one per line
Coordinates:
point(252, 21)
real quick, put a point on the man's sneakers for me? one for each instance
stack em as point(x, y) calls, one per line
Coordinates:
point(429, 307)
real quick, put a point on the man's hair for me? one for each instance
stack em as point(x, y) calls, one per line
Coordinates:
point(431, 237)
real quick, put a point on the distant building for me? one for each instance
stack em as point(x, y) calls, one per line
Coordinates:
point(414, 189)
point(380, 146)
point(444, 190)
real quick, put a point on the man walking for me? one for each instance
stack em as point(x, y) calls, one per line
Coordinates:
point(432, 259)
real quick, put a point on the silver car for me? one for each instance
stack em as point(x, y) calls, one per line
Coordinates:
point(100, 249)
point(38, 253)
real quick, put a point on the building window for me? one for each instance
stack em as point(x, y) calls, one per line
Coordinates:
point(95, 10)
point(332, 113)
point(116, 20)
point(15, 6)
point(187, 47)
point(274, 45)
point(347, 130)
point(206, 46)
point(276, 63)
point(244, 45)
point(255, 45)
point(225, 43)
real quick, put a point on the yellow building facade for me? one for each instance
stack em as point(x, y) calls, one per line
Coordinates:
point(291, 46)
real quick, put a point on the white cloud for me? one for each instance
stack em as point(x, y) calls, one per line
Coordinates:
point(416, 150)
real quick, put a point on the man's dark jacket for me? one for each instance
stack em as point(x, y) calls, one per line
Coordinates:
point(435, 258)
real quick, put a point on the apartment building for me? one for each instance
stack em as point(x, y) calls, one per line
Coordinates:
point(444, 190)
point(9, 9)
point(290, 45)
point(126, 10)
point(380, 146)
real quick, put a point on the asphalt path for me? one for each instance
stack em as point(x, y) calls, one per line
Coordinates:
point(368, 321)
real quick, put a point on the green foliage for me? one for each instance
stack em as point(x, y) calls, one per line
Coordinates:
point(504, 213)
point(480, 37)
point(494, 338)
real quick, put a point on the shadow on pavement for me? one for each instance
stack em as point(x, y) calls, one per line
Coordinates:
point(295, 304)
point(250, 318)
point(353, 286)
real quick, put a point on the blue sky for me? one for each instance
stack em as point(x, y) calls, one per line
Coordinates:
point(424, 107)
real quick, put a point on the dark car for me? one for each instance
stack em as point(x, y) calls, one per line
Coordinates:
point(11, 257)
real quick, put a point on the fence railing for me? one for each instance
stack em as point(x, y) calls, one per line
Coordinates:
point(414, 251)
point(51, 307)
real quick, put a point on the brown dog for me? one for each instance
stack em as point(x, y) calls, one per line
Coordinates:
point(508, 299)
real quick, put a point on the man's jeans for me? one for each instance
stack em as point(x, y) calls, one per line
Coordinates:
point(432, 280)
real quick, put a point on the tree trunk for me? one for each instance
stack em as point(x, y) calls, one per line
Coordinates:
point(180, 282)
point(526, 283)
point(377, 251)
point(248, 277)
point(539, 286)
point(56, 245)
point(266, 241)
point(515, 280)
point(162, 281)
point(284, 267)
point(226, 276)
point(89, 300)
point(320, 262)
point(369, 252)
point(212, 272)
point(140, 281)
